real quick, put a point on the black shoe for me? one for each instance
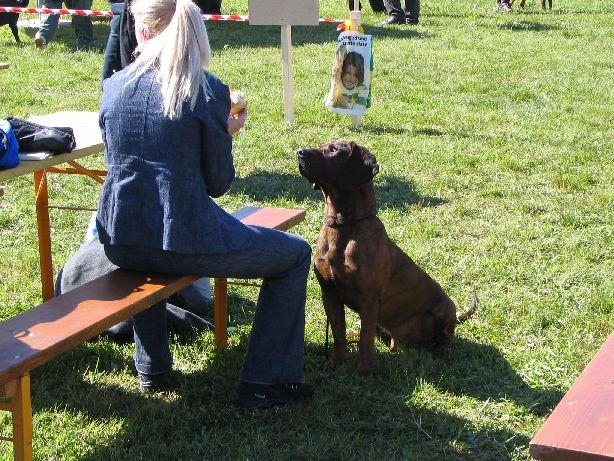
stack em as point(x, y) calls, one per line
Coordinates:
point(411, 21)
point(252, 396)
point(161, 382)
point(392, 20)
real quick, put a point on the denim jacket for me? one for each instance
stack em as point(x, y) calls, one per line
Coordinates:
point(163, 173)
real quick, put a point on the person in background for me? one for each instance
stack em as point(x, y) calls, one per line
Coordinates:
point(167, 132)
point(503, 6)
point(121, 43)
point(81, 24)
point(396, 15)
point(111, 62)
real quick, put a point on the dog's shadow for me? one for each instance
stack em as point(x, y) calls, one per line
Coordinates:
point(479, 371)
point(403, 397)
point(391, 192)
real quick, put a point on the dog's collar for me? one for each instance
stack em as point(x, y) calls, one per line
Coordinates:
point(335, 222)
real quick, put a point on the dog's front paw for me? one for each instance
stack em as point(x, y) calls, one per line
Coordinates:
point(337, 358)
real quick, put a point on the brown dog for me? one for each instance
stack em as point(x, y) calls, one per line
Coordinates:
point(357, 265)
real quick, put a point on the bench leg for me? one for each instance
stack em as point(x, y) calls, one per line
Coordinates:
point(20, 406)
point(220, 312)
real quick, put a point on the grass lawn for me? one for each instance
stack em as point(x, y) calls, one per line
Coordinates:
point(494, 134)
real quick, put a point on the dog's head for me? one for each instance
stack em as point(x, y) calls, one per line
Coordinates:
point(341, 164)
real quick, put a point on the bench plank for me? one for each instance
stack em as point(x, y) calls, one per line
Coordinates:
point(273, 218)
point(581, 427)
point(32, 338)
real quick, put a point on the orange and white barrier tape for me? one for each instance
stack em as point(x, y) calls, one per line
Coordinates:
point(98, 13)
point(64, 11)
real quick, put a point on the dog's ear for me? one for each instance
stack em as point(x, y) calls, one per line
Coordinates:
point(359, 169)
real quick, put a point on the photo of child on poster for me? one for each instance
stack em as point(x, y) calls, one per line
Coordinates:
point(350, 91)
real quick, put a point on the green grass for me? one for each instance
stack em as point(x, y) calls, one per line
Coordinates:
point(494, 134)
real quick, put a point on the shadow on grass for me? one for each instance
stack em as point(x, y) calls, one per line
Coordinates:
point(391, 191)
point(529, 26)
point(349, 417)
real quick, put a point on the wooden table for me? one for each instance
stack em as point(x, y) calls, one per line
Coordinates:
point(89, 141)
point(581, 427)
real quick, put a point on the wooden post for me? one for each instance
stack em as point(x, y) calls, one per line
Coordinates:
point(286, 51)
point(355, 25)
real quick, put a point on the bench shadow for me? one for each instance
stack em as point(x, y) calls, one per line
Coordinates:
point(392, 192)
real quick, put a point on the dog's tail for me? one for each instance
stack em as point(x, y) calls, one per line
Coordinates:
point(467, 315)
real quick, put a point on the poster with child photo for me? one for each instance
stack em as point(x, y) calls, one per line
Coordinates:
point(350, 88)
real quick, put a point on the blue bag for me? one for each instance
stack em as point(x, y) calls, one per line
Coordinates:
point(8, 146)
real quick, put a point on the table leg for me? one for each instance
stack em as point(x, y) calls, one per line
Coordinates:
point(44, 233)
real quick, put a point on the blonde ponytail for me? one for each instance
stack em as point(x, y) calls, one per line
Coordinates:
point(177, 47)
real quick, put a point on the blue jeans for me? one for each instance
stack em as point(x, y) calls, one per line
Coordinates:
point(81, 24)
point(111, 62)
point(276, 344)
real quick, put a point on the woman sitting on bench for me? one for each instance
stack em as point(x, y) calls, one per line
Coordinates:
point(168, 138)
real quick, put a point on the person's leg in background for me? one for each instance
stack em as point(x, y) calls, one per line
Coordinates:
point(47, 29)
point(209, 6)
point(82, 25)
point(503, 6)
point(395, 14)
point(412, 11)
point(111, 62)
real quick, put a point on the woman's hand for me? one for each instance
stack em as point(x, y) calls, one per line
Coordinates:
point(236, 122)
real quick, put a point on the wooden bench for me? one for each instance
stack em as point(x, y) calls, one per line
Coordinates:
point(38, 335)
point(581, 427)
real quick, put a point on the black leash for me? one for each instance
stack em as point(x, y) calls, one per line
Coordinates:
point(326, 339)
